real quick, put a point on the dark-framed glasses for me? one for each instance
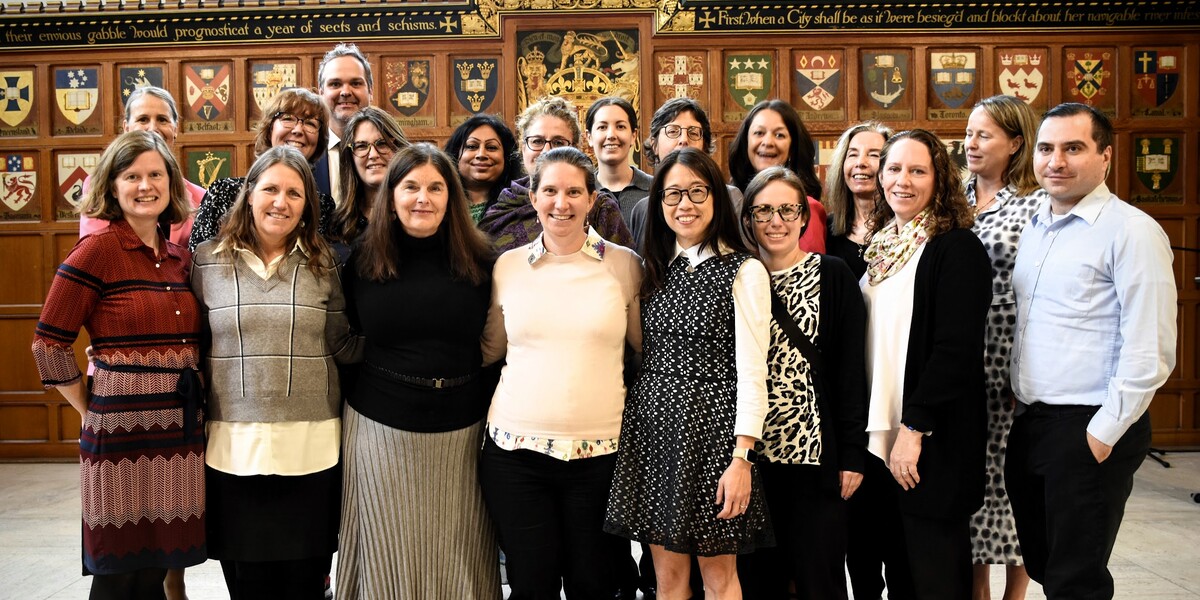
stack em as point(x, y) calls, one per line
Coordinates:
point(289, 120)
point(537, 142)
point(764, 212)
point(382, 145)
point(694, 133)
point(698, 194)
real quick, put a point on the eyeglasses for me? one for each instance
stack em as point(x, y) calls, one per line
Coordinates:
point(289, 120)
point(694, 133)
point(763, 213)
point(381, 145)
point(537, 142)
point(673, 196)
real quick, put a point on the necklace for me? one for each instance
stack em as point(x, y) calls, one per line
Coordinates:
point(979, 208)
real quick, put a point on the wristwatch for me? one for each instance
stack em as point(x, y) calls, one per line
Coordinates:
point(749, 455)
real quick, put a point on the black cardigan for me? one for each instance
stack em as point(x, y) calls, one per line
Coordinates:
point(944, 381)
point(842, 385)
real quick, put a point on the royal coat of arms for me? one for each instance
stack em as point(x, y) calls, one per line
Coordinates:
point(1156, 77)
point(819, 84)
point(77, 92)
point(680, 76)
point(19, 184)
point(952, 79)
point(16, 96)
point(133, 77)
point(207, 88)
point(580, 66)
point(748, 80)
point(1156, 162)
point(477, 83)
point(1022, 75)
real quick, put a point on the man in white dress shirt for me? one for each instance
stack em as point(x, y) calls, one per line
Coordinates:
point(1095, 338)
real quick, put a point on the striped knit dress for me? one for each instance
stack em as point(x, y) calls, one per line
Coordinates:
point(141, 448)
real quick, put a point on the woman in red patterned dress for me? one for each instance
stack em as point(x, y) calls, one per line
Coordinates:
point(141, 447)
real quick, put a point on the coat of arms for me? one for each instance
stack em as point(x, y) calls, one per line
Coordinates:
point(77, 93)
point(207, 90)
point(268, 79)
point(16, 96)
point(72, 170)
point(885, 77)
point(1156, 161)
point(952, 76)
point(208, 165)
point(1021, 75)
point(818, 78)
point(20, 181)
point(680, 76)
point(1156, 74)
point(748, 80)
point(131, 78)
point(408, 85)
point(477, 83)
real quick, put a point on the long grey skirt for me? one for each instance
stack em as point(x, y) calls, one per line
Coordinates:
point(413, 521)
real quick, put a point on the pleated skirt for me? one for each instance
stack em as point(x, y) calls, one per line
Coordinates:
point(413, 520)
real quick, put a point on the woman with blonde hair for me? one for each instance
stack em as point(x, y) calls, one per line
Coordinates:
point(1004, 193)
point(850, 191)
point(128, 285)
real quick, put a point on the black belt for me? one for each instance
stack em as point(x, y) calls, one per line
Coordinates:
point(436, 383)
point(189, 388)
point(1041, 408)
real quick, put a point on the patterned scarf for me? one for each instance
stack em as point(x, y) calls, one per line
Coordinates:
point(891, 248)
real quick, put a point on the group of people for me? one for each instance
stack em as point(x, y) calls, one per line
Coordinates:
point(417, 357)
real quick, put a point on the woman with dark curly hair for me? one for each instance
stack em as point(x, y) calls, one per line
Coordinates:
point(927, 290)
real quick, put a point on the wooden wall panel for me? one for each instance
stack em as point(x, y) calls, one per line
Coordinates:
point(30, 250)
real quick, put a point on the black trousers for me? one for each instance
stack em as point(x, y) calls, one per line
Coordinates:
point(142, 584)
point(549, 514)
point(925, 557)
point(810, 533)
point(302, 579)
point(1067, 506)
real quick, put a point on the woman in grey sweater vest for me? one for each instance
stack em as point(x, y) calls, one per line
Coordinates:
point(272, 302)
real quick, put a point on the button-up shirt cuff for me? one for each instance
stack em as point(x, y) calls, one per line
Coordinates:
point(1106, 428)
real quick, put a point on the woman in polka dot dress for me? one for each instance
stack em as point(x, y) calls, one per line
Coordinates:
point(685, 481)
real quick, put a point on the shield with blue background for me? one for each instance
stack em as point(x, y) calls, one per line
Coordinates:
point(131, 78)
point(76, 92)
point(476, 82)
point(953, 76)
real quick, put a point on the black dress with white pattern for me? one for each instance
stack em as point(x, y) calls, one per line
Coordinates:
point(677, 429)
point(993, 530)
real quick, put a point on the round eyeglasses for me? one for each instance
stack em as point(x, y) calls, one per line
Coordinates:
point(381, 145)
point(289, 120)
point(694, 133)
point(698, 194)
point(763, 213)
point(537, 142)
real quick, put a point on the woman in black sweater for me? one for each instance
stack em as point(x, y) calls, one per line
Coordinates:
point(927, 290)
point(413, 520)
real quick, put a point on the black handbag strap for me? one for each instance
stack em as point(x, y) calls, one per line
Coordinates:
point(797, 337)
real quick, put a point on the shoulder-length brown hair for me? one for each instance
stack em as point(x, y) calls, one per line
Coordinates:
point(101, 200)
point(764, 178)
point(299, 103)
point(658, 239)
point(353, 201)
point(950, 208)
point(239, 231)
point(379, 253)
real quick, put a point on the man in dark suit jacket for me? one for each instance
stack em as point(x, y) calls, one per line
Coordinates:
point(345, 83)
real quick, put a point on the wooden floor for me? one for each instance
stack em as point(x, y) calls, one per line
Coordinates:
point(1156, 556)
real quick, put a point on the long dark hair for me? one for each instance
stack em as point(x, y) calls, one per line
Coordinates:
point(658, 240)
point(508, 145)
point(468, 251)
point(801, 153)
point(238, 230)
point(949, 203)
point(345, 218)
